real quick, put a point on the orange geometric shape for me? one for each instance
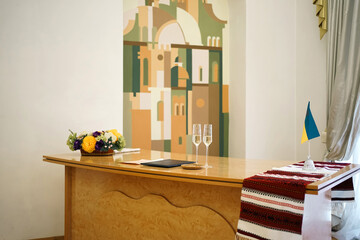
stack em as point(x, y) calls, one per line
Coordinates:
point(201, 114)
point(193, 9)
point(183, 74)
point(135, 101)
point(145, 68)
point(182, 83)
point(178, 134)
point(214, 118)
point(215, 73)
point(160, 112)
point(141, 129)
point(200, 103)
point(178, 123)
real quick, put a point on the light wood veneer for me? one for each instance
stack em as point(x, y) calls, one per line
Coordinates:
point(106, 199)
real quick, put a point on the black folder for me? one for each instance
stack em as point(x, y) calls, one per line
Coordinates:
point(166, 163)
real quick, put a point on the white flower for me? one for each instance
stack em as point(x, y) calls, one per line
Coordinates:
point(109, 135)
point(82, 134)
point(86, 133)
point(101, 137)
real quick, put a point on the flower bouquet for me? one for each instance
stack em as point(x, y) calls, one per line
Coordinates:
point(96, 143)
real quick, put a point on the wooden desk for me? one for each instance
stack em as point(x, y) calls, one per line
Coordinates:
point(105, 199)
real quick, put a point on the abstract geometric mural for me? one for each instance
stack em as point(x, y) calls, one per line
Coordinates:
point(173, 75)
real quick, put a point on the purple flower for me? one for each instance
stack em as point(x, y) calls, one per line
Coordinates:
point(95, 134)
point(77, 144)
point(99, 145)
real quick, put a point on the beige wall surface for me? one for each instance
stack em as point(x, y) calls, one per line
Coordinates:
point(310, 77)
point(270, 79)
point(284, 68)
point(60, 68)
point(237, 74)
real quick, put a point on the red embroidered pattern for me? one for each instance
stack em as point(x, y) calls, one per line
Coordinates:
point(279, 189)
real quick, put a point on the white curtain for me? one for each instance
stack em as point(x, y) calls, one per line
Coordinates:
point(343, 78)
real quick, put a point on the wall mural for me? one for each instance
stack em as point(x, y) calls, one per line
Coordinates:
point(173, 75)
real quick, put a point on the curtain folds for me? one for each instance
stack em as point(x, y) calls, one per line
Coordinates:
point(343, 73)
point(343, 103)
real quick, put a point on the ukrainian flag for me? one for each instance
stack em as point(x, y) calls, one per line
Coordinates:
point(310, 130)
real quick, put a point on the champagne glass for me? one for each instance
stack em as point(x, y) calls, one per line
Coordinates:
point(207, 139)
point(196, 138)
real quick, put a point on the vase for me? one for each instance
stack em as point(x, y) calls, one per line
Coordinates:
point(97, 153)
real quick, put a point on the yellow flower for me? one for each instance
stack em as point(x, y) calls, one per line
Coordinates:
point(116, 133)
point(88, 144)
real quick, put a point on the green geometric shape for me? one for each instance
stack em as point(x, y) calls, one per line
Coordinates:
point(154, 31)
point(225, 134)
point(208, 26)
point(189, 69)
point(136, 70)
point(188, 85)
point(127, 73)
point(221, 135)
point(174, 76)
point(180, 140)
point(144, 34)
point(170, 9)
point(167, 145)
point(134, 34)
point(223, 150)
point(189, 144)
point(148, 2)
point(127, 119)
point(146, 72)
point(182, 55)
point(214, 57)
point(178, 92)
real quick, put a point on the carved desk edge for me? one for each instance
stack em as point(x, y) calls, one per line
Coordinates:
point(313, 188)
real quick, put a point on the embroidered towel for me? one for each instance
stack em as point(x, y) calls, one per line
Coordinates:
point(344, 192)
point(272, 203)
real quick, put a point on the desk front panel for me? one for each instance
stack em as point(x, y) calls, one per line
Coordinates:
point(103, 205)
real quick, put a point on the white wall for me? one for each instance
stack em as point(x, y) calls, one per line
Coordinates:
point(270, 79)
point(284, 68)
point(60, 68)
point(310, 77)
point(237, 87)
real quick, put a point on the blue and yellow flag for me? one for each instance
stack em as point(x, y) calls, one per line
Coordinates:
point(310, 130)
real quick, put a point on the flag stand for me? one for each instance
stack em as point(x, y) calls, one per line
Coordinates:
point(309, 164)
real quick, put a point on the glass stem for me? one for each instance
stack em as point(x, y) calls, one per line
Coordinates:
point(206, 163)
point(197, 154)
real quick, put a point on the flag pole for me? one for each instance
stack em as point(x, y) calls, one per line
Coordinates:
point(309, 164)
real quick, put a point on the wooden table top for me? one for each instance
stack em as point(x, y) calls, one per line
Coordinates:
point(225, 171)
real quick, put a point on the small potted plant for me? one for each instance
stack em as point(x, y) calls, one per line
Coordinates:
point(96, 143)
